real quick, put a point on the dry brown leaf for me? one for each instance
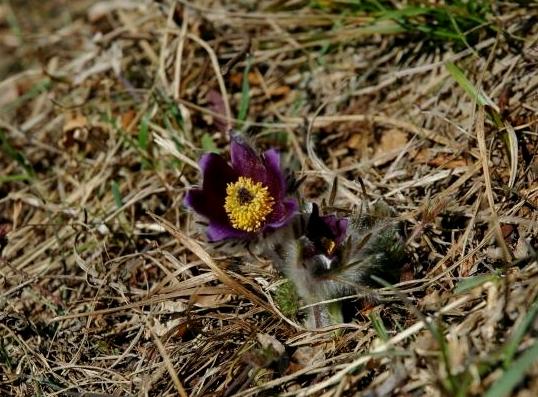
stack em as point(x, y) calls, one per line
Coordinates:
point(267, 341)
point(422, 155)
point(359, 140)
point(162, 329)
point(407, 273)
point(127, 118)
point(74, 122)
point(235, 78)
point(391, 140)
point(279, 91)
point(306, 356)
point(211, 300)
point(8, 93)
point(445, 161)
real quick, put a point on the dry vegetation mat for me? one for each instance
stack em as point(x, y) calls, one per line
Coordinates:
point(108, 286)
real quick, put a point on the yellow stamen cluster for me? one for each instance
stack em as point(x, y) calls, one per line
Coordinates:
point(247, 204)
point(330, 245)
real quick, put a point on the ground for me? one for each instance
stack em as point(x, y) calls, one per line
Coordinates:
point(108, 286)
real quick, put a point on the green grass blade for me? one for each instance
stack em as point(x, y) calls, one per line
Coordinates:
point(476, 94)
point(512, 148)
point(14, 178)
point(143, 134)
point(245, 94)
point(14, 154)
point(404, 12)
point(379, 326)
point(514, 375)
point(518, 334)
point(116, 194)
point(473, 282)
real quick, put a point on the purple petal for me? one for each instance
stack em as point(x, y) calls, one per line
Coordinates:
point(216, 104)
point(272, 159)
point(206, 205)
point(328, 226)
point(283, 212)
point(274, 180)
point(216, 172)
point(245, 160)
point(222, 231)
point(338, 226)
point(216, 176)
point(209, 201)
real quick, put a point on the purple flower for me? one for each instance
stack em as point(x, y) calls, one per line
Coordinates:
point(244, 199)
point(325, 233)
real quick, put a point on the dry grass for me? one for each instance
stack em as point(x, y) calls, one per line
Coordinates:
point(107, 285)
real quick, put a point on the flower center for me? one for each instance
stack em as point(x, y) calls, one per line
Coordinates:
point(247, 204)
point(329, 246)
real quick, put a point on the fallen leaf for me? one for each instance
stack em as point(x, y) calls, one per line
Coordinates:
point(306, 356)
point(267, 342)
point(236, 79)
point(507, 230)
point(254, 78)
point(211, 300)
point(75, 121)
point(8, 93)
point(127, 118)
point(391, 140)
point(407, 273)
point(422, 155)
point(279, 91)
point(522, 249)
point(358, 141)
point(161, 329)
point(75, 130)
point(445, 161)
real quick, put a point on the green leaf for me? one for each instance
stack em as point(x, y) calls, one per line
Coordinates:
point(116, 193)
point(14, 178)
point(143, 134)
point(405, 12)
point(379, 326)
point(208, 144)
point(515, 374)
point(472, 282)
point(335, 312)
point(14, 154)
point(476, 94)
point(287, 299)
point(517, 335)
point(512, 148)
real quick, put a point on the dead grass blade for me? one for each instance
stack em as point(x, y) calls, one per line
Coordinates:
point(197, 250)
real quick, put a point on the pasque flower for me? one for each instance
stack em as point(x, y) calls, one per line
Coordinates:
point(245, 198)
point(333, 256)
point(339, 254)
point(324, 233)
